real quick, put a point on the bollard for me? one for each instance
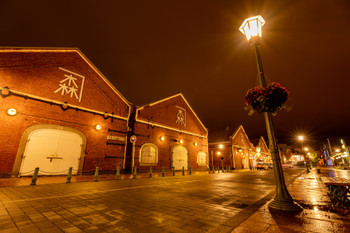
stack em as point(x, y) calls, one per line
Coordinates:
point(213, 169)
point(183, 171)
point(69, 176)
point(96, 175)
point(190, 170)
point(135, 173)
point(118, 172)
point(150, 172)
point(35, 176)
point(173, 171)
point(209, 170)
point(227, 169)
point(162, 171)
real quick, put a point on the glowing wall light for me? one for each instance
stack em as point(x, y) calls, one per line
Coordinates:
point(11, 112)
point(98, 127)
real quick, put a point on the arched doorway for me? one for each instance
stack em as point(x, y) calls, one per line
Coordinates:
point(179, 157)
point(52, 148)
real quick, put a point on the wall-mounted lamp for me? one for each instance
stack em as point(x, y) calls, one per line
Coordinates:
point(219, 153)
point(11, 112)
point(162, 138)
point(98, 127)
point(181, 141)
point(195, 144)
point(221, 146)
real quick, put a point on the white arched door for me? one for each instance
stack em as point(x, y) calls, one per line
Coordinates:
point(180, 157)
point(246, 162)
point(53, 151)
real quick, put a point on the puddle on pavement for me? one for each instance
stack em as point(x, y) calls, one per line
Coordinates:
point(326, 208)
point(309, 178)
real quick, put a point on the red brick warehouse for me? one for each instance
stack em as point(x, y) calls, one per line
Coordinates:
point(170, 134)
point(58, 111)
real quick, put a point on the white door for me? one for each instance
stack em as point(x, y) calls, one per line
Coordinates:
point(246, 162)
point(180, 157)
point(53, 151)
point(202, 158)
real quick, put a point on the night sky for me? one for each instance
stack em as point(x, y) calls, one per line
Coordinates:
point(152, 49)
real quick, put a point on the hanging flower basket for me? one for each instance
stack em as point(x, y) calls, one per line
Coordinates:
point(269, 99)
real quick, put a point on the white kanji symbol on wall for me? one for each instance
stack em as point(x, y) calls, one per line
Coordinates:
point(69, 86)
point(181, 116)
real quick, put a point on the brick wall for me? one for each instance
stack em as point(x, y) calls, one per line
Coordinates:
point(38, 74)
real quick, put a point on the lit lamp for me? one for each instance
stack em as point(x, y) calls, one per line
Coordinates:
point(11, 112)
point(251, 28)
point(98, 127)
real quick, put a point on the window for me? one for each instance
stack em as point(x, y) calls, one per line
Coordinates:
point(148, 155)
point(202, 158)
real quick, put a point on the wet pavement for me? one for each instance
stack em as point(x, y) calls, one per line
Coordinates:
point(309, 191)
point(202, 202)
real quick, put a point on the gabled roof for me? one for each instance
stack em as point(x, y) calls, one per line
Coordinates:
point(237, 130)
point(137, 118)
point(262, 144)
point(44, 60)
point(64, 49)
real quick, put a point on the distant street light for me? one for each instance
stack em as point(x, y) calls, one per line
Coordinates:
point(301, 137)
point(251, 28)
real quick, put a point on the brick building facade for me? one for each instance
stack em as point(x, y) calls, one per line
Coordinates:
point(170, 134)
point(58, 111)
point(234, 149)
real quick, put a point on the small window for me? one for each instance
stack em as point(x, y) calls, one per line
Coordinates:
point(202, 158)
point(148, 155)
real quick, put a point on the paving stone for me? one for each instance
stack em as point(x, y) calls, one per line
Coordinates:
point(72, 230)
point(44, 224)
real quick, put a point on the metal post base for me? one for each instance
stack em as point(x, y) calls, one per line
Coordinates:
point(285, 205)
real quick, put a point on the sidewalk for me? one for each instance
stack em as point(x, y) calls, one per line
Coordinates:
point(309, 191)
point(26, 180)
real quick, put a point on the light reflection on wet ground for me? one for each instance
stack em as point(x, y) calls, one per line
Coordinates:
point(311, 194)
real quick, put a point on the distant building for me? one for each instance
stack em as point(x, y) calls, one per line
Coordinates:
point(234, 149)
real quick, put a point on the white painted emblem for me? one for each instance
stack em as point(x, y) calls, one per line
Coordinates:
point(181, 116)
point(70, 84)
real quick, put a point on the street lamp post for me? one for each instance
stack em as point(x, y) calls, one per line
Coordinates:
point(251, 28)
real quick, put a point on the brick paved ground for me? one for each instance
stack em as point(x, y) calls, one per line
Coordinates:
point(309, 191)
point(197, 203)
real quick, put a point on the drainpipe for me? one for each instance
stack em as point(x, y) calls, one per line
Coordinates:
point(129, 146)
